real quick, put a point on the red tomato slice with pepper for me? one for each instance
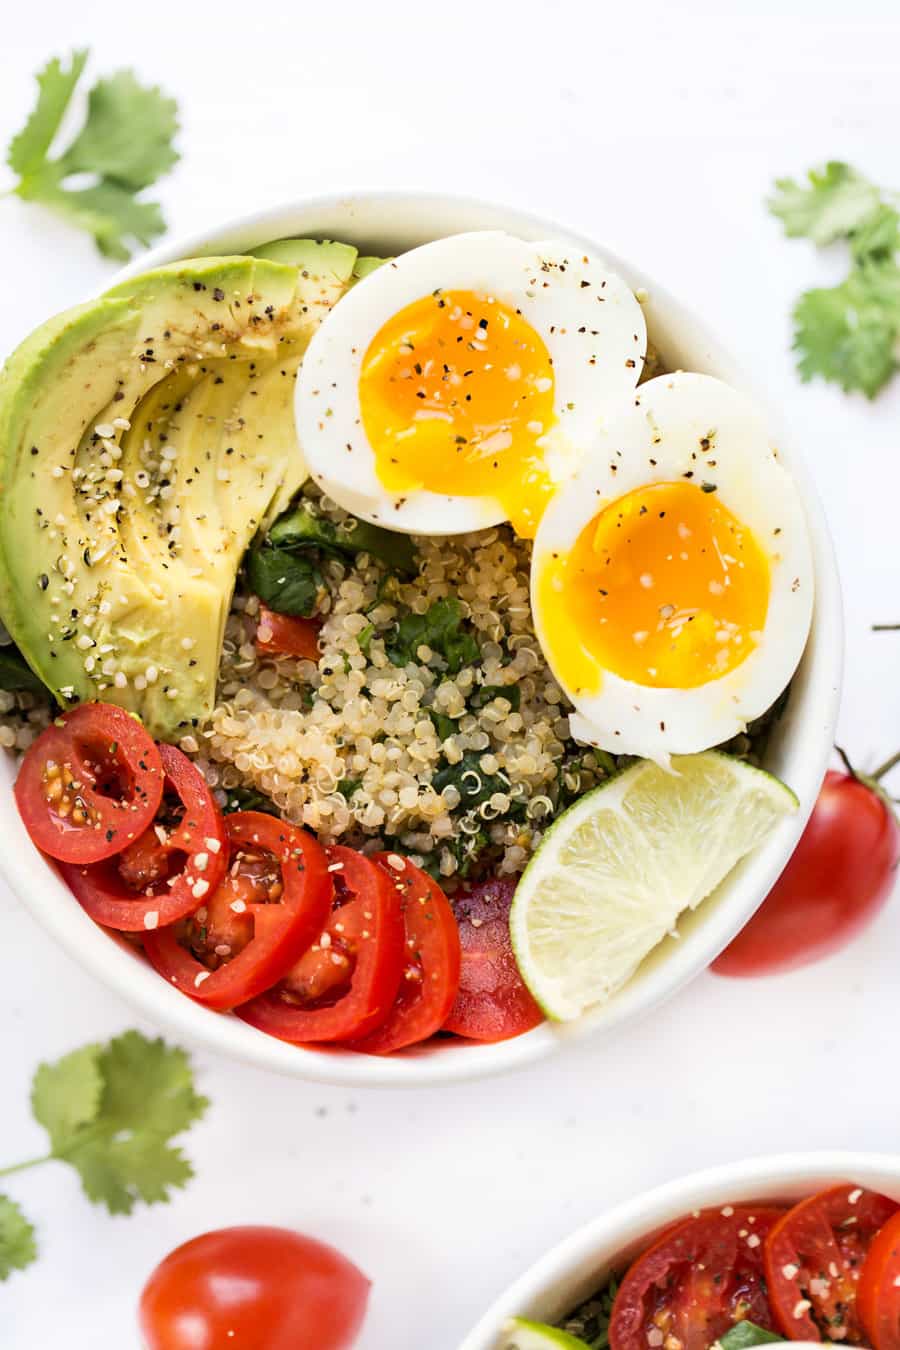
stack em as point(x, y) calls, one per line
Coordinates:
point(344, 985)
point(695, 1281)
point(878, 1291)
point(287, 635)
point(430, 979)
point(166, 872)
point(90, 784)
point(493, 1003)
point(814, 1256)
point(255, 1288)
point(274, 900)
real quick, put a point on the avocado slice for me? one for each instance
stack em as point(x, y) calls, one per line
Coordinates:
point(363, 266)
point(144, 438)
point(312, 255)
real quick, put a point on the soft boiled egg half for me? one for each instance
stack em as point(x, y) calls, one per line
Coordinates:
point(456, 385)
point(672, 580)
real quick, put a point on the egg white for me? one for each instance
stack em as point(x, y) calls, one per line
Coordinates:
point(588, 318)
point(658, 439)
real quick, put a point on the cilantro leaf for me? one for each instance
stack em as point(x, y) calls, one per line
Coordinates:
point(109, 144)
point(17, 1245)
point(121, 1148)
point(125, 144)
point(28, 150)
point(848, 333)
point(832, 205)
point(66, 1095)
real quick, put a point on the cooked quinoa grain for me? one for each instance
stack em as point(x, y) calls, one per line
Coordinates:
point(372, 745)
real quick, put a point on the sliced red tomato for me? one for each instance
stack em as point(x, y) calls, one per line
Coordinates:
point(166, 872)
point(493, 1003)
point(287, 635)
point(90, 784)
point(695, 1281)
point(255, 1288)
point(814, 1256)
point(878, 1292)
point(345, 985)
point(430, 979)
point(271, 905)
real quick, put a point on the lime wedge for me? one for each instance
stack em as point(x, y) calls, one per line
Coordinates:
point(524, 1335)
point(614, 872)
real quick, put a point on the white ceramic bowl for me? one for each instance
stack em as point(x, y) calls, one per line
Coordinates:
point(388, 223)
point(569, 1273)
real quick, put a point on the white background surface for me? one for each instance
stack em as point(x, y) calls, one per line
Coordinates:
point(657, 129)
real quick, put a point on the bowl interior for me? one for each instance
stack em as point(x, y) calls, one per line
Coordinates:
point(570, 1273)
point(384, 224)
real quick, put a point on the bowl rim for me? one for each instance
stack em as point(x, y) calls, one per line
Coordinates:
point(41, 890)
point(601, 1240)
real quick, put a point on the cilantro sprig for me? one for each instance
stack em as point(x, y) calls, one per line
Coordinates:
point(110, 1111)
point(848, 333)
point(124, 145)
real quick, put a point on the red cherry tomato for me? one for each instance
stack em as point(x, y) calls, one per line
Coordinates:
point(814, 1256)
point(90, 784)
point(287, 635)
point(836, 881)
point(696, 1280)
point(159, 877)
point(431, 978)
point(253, 1288)
point(878, 1292)
point(344, 987)
point(271, 905)
point(493, 1003)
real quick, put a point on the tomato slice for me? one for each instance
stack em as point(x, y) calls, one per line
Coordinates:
point(166, 872)
point(813, 1261)
point(287, 635)
point(430, 980)
point(493, 1003)
point(273, 902)
point(253, 1287)
point(695, 1281)
point(344, 986)
point(878, 1292)
point(90, 784)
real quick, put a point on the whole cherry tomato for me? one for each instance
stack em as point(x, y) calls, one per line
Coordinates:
point(836, 881)
point(253, 1288)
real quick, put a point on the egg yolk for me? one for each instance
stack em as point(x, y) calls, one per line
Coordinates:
point(456, 391)
point(664, 587)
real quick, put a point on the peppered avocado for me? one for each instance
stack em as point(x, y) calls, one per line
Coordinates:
point(316, 256)
point(144, 437)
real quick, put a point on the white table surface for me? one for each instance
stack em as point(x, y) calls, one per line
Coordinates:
point(656, 128)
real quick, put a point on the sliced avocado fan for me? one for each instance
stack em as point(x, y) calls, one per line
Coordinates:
point(144, 439)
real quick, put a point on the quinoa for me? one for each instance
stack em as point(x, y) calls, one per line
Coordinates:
point(373, 752)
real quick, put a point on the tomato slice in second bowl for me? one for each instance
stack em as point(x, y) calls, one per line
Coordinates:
point(344, 985)
point(878, 1293)
point(813, 1261)
point(695, 1281)
point(271, 904)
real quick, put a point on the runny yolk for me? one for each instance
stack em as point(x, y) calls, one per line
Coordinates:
point(455, 392)
point(664, 587)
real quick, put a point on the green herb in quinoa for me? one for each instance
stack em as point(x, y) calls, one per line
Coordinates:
point(590, 1320)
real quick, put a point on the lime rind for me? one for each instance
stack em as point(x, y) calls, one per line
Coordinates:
point(522, 1334)
point(615, 871)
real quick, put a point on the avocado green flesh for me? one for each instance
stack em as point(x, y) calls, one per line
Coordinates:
point(314, 255)
point(363, 266)
point(117, 560)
